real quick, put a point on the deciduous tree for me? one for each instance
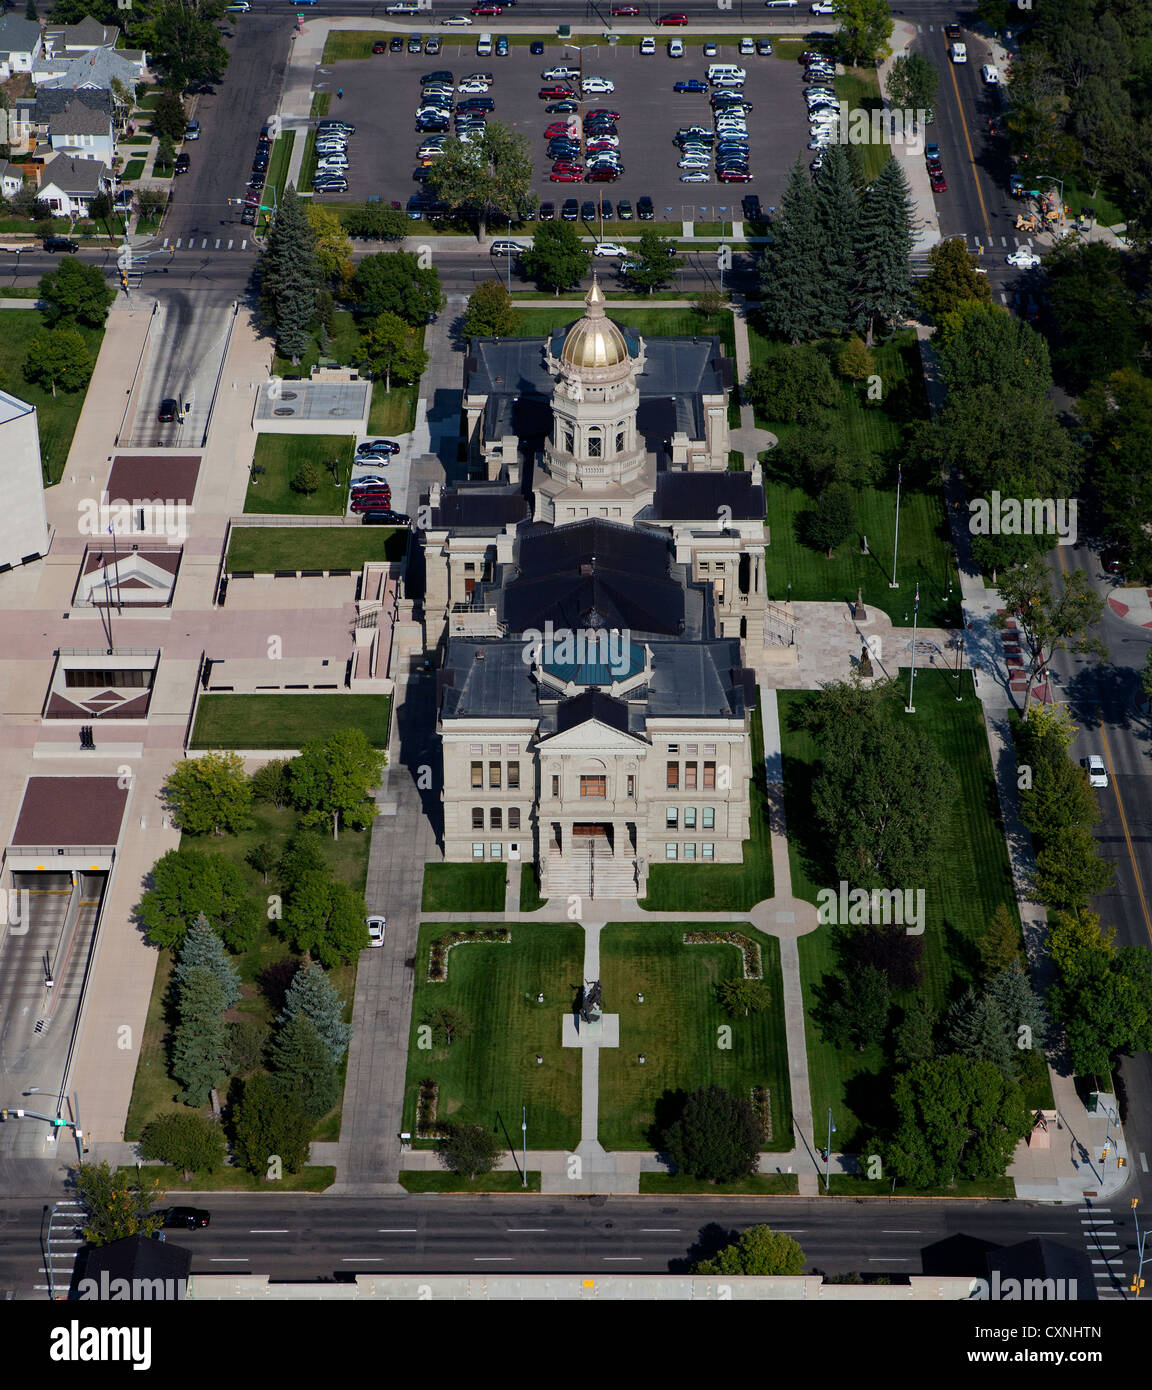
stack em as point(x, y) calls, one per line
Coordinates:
point(491, 313)
point(489, 179)
point(192, 1143)
point(952, 279)
point(210, 794)
point(59, 357)
point(392, 347)
point(117, 1204)
point(333, 780)
point(469, 1151)
point(759, 1250)
point(395, 282)
point(1050, 622)
point(75, 292)
point(716, 1138)
point(270, 1126)
point(558, 258)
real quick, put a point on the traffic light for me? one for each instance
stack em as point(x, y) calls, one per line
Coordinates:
point(123, 279)
point(3, 1114)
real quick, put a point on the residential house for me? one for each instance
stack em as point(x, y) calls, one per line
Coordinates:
point(91, 70)
point(84, 131)
point(31, 115)
point(11, 178)
point(20, 44)
point(69, 184)
point(72, 39)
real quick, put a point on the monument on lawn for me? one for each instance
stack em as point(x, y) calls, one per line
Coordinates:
point(590, 1002)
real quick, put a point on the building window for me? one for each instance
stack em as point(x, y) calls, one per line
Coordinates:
point(497, 818)
point(620, 441)
point(513, 776)
point(690, 777)
point(689, 817)
point(673, 776)
point(674, 748)
point(709, 821)
point(593, 786)
point(569, 442)
point(709, 777)
point(555, 786)
point(631, 785)
point(494, 748)
point(672, 816)
point(705, 567)
point(594, 444)
point(709, 750)
point(707, 851)
point(477, 774)
point(692, 749)
point(476, 749)
point(477, 817)
point(494, 775)
point(670, 850)
point(496, 851)
point(689, 850)
point(513, 817)
point(469, 567)
point(477, 849)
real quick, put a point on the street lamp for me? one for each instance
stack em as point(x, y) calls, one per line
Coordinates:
point(828, 1152)
point(524, 1132)
point(579, 49)
point(720, 256)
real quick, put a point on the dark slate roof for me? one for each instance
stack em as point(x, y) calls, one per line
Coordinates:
point(486, 678)
point(702, 678)
point(484, 508)
point(139, 1257)
point(592, 704)
point(50, 101)
point(699, 497)
point(80, 119)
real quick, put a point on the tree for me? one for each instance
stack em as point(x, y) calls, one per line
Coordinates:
point(263, 858)
point(59, 357)
point(187, 42)
point(303, 854)
point(306, 479)
point(200, 1058)
point(301, 1061)
point(30, 10)
point(469, 1150)
point(1069, 871)
point(884, 237)
point(247, 1040)
point(333, 779)
point(912, 82)
point(169, 117)
point(790, 269)
point(981, 344)
point(739, 997)
point(915, 1036)
point(1021, 1007)
point(100, 210)
point(1050, 622)
point(270, 1125)
point(75, 292)
point(333, 245)
point(655, 263)
point(210, 794)
point(1070, 932)
point(838, 211)
point(186, 883)
point(854, 360)
point(392, 346)
point(716, 1138)
point(865, 28)
point(270, 783)
point(447, 1024)
point(151, 202)
point(202, 949)
point(792, 384)
point(977, 1029)
point(1095, 308)
point(165, 154)
point(313, 995)
point(999, 946)
point(491, 313)
point(1060, 794)
point(395, 282)
point(192, 1143)
point(374, 220)
point(1117, 413)
point(290, 277)
point(326, 919)
point(117, 1204)
point(489, 179)
point(558, 258)
point(757, 1251)
point(952, 279)
point(896, 954)
point(855, 1015)
point(709, 303)
point(832, 520)
point(1105, 1004)
point(955, 1119)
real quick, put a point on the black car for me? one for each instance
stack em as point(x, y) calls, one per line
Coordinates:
point(527, 214)
point(260, 164)
point(536, 48)
point(547, 212)
point(561, 108)
point(750, 206)
point(385, 518)
point(183, 163)
point(477, 104)
point(378, 446)
point(571, 210)
point(396, 44)
point(644, 209)
point(248, 217)
point(186, 1218)
point(588, 212)
point(606, 209)
point(61, 243)
point(168, 413)
point(440, 75)
point(432, 123)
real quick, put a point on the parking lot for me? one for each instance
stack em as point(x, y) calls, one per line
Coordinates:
point(381, 96)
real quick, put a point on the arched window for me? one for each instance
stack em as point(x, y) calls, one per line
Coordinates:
point(595, 444)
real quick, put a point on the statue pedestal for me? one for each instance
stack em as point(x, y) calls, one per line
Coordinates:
point(605, 1032)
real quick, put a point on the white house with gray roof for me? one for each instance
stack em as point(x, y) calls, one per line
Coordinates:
point(20, 44)
point(69, 184)
point(83, 131)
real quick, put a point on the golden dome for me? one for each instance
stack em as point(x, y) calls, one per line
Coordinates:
point(594, 341)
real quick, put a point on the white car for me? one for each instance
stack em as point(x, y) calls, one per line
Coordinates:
point(559, 74)
point(608, 248)
point(675, 48)
point(611, 141)
point(238, 7)
point(457, 21)
point(597, 84)
point(695, 176)
point(990, 74)
point(823, 7)
point(1097, 772)
point(334, 162)
point(747, 48)
point(781, 4)
point(377, 926)
point(695, 161)
point(1024, 258)
point(472, 88)
point(648, 45)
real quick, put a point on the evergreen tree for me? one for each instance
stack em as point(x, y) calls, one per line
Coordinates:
point(792, 266)
point(832, 520)
point(203, 949)
point(999, 946)
point(977, 1029)
point(290, 277)
point(301, 1060)
point(312, 994)
point(270, 1125)
point(884, 239)
point(1011, 990)
point(915, 1036)
point(200, 1057)
point(855, 1014)
point(837, 212)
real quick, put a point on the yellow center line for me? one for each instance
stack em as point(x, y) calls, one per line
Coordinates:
point(971, 155)
point(1124, 825)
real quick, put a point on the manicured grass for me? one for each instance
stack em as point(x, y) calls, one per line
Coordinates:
point(735, 461)
point(237, 1180)
point(463, 888)
point(277, 175)
point(153, 1091)
point(308, 162)
point(136, 140)
point(342, 345)
point(56, 415)
point(287, 721)
point(20, 292)
point(320, 103)
point(759, 1185)
point(655, 323)
point(851, 1185)
point(861, 89)
point(27, 226)
point(393, 412)
point(677, 1029)
point(352, 44)
point(263, 550)
point(959, 902)
point(133, 169)
point(149, 100)
point(415, 1180)
point(486, 1077)
point(280, 455)
point(731, 887)
point(530, 899)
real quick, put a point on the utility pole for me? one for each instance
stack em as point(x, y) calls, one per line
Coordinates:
point(524, 1133)
point(910, 708)
point(896, 537)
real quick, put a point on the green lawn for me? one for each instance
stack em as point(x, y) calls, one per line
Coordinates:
point(287, 721)
point(731, 887)
point(650, 323)
point(308, 162)
point(277, 175)
point(486, 1077)
point(56, 416)
point(759, 1185)
point(463, 888)
point(416, 1180)
point(133, 169)
point(677, 1029)
point(959, 903)
point(276, 460)
point(393, 412)
point(236, 1180)
point(263, 550)
point(852, 1185)
point(353, 44)
point(861, 89)
point(320, 103)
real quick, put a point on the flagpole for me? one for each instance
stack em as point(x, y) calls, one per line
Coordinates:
point(896, 538)
point(910, 708)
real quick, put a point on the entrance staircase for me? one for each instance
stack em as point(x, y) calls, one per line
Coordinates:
point(588, 869)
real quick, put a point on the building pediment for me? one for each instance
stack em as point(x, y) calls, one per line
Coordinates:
point(592, 736)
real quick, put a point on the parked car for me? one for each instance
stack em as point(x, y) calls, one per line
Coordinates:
point(183, 162)
point(693, 84)
point(377, 925)
point(192, 130)
point(508, 248)
point(647, 45)
point(675, 48)
point(385, 518)
point(61, 243)
point(536, 48)
point(673, 18)
point(378, 446)
point(644, 209)
point(570, 211)
point(169, 411)
point(990, 74)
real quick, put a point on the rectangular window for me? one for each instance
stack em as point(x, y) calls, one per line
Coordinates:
point(689, 817)
point(690, 850)
point(690, 777)
point(477, 817)
point(477, 750)
point(620, 442)
point(513, 776)
point(670, 850)
point(513, 817)
point(709, 750)
point(469, 567)
point(477, 774)
point(494, 750)
point(631, 785)
point(555, 786)
point(709, 777)
point(494, 774)
point(705, 566)
point(672, 816)
point(707, 851)
point(692, 750)
point(673, 776)
point(709, 821)
point(477, 849)
point(673, 748)
point(496, 821)
point(593, 786)
point(496, 851)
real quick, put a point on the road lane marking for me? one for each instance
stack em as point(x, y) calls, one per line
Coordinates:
point(1124, 825)
point(396, 1230)
point(659, 1230)
point(623, 1257)
point(880, 1259)
point(229, 243)
point(1143, 1163)
point(899, 1231)
point(526, 1230)
point(270, 1231)
point(229, 1259)
point(217, 243)
point(178, 241)
point(478, 1258)
point(204, 244)
point(244, 243)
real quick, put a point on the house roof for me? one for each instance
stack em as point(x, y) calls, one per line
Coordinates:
point(74, 176)
point(51, 100)
point(139, 1257)
point(699, 497)
point(96, 69)
point(80, 119)
point(89, 32)
point(18, 35)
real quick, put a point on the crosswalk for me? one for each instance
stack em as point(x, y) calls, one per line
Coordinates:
point(195, 243)
point(1098, 1227)
point(65, 1237)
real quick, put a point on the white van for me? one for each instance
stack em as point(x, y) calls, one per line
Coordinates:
point(958, 53)
point(725, 71)
point(484, 46)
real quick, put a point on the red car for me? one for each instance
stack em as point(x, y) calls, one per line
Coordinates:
point(734, 176)
point(673, 19)
point(939, 183)
point(601, 114)
point(568, 174)
point(557, 128)
point(555, 93)
point(599, 146)
point(624, 11)
point(487, 9)
point(601, 175)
